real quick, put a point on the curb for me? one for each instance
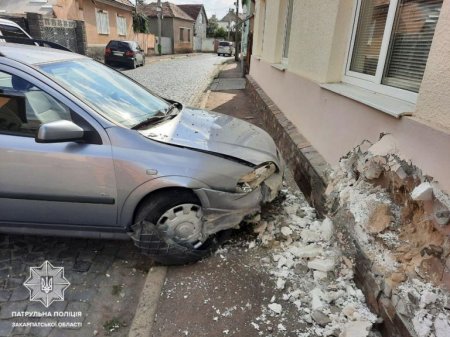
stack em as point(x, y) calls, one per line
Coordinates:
point(146, 310)
point(311, 171)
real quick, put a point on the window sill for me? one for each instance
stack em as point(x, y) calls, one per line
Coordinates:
point(388, 104)
point(279, 66)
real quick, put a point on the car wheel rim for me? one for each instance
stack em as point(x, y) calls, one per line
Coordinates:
point(183, 223)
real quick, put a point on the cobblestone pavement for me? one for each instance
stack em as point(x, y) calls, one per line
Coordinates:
point(181, 79)
point(106, 276)
point(106, 279)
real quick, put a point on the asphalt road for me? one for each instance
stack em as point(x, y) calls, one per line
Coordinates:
point(181, 79)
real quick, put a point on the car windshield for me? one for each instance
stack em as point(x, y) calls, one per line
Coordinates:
point(112, 94)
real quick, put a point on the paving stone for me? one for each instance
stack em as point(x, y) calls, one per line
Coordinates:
point(81, 266)
point(9, 307)
point(5, 328)
point(20, 294)
point(5, 295)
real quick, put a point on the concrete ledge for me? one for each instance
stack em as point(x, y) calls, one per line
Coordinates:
point(311, 171)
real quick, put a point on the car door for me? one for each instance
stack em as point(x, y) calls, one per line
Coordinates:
point(64, 183)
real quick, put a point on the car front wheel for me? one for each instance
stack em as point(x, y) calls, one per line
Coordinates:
point(168, 227)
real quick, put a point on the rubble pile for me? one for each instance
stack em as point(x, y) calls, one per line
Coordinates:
point(310, 273)
point(401, 222)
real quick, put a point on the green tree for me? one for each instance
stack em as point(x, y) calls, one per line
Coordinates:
point(220, 33)
point(212, 26)
point(140, 23)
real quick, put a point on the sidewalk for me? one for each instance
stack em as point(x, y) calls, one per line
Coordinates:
point(226, 293)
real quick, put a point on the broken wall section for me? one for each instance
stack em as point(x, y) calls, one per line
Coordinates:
point(395, 223)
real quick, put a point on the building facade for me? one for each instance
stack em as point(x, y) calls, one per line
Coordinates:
point(197, 13)
point(345, 71)
point(175, 24)
point(104, 20)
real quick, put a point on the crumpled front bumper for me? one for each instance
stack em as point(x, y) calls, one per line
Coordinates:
point(225, 210)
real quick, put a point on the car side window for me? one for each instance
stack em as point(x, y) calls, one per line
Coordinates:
point(24, 107)
point(11, 31)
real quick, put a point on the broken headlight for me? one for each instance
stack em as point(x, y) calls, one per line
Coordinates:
point(253, 179)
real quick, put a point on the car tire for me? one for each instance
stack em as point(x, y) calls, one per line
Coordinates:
point(143, 61)
point(157, 242)
point(134, 65)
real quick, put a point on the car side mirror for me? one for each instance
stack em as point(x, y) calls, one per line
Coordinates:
point(59, 132)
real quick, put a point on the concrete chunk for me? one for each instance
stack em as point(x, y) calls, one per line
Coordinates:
point(356, 329)
point(422, 192)
point(324, 265)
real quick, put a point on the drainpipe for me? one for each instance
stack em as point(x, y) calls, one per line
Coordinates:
point(159, 10)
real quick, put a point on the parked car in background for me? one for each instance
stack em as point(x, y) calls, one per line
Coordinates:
point(225, 48)
point(86, 151)
point(127, 53)
point(11, 29)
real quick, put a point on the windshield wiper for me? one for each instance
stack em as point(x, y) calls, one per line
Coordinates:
point(159, 116)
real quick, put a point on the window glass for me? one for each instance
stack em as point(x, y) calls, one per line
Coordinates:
point(287, 33)
point(369, 36)
point(108, 91)
point(181, 34)
point(410, 44)
point(24, 107)
point(11, 31)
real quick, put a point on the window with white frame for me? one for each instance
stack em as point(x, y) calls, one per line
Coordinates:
point(390, 45)
point(102, 20)
point(287, 29)
point(181, 34)
point(121, 25)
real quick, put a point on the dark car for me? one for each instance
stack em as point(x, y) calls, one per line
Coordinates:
point(127, 53)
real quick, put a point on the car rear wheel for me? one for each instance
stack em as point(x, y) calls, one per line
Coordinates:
point(168, 227)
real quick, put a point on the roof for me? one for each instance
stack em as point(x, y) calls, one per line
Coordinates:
point(169, 10)
point(192, 9)
point(125, 2)
point(34, 54)
point(231, 16)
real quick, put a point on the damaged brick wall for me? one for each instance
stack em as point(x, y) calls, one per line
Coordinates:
point(396, 225)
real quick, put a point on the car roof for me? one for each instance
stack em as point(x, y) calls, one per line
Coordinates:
point(34, 55)
point(8, 23)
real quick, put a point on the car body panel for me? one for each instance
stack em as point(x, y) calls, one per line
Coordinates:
point(12, 29)
point(216, 133)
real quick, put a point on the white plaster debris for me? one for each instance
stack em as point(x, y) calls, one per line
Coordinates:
point(275, 307)
point(320, 264)
point(302, 254)
point(422, 192)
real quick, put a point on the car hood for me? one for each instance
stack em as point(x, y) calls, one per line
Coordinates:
point(217, 134)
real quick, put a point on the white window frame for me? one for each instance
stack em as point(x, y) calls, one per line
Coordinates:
point(99, 21)
point(284, 60)
point(121, 23)
point(374, 82)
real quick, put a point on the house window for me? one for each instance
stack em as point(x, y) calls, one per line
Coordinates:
point(189, 35)
point(390, 45)
point(287, 29)
point(121, 25)
point(102, 19)
point(181, 34)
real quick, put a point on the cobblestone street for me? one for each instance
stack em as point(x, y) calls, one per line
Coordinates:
point(106, 276)
point(182, 79)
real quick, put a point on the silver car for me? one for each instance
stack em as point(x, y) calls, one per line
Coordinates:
point(85, 151)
